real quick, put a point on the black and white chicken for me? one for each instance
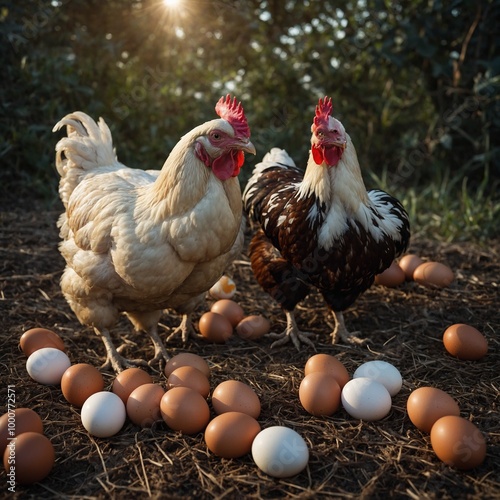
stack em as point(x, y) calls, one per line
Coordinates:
point(320, 228)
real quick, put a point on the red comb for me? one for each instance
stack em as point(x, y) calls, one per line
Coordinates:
point(323, 111)
point(232, 111)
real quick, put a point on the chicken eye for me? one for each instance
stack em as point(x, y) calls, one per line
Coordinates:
point(216, 136)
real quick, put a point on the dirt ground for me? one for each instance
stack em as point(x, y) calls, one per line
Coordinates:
point(349, 458)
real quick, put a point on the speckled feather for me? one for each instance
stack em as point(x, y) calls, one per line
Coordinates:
point(275, 274)
point(292, 223)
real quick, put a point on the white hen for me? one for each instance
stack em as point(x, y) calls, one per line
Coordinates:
point(138, 242)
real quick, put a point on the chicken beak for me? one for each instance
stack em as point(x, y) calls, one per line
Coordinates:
point(339, 143)
point(246, 146)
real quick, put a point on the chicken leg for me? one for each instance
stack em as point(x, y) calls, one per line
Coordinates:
point(292, 333)
point(113, 358)
point(160, 349)
point(340, 331)
point(142, 321)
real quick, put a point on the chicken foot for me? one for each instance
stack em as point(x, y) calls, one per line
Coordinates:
point(340, 331)
point(292, 333)
point(186, 329)
point(160, 349)
point(114, 359)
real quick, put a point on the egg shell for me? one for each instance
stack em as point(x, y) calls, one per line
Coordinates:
point(393, 276)
point(187, 359)
point(143, 404)
point(381, 371)
point(408, 263)
point(34, 457)
point(319, 394)
point(330, 364)
point(47, 365)
point(224, 288)
point(79, 382)
point(366, 399)
point(231, 434)
point(103, 414)
point(433, 274)
point(458, 442)
point(465, 342)
point(233, 395)
point(37, 338)
point(17, 422)
point(253, 327)
point(280, 451)
point(229, 309)
point(189, 376)
point(215, 327)
point(185, 410)
point(128, 380)
point(426, 405)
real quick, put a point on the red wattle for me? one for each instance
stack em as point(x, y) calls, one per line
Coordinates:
point(240, 159)
point(317, 155)
point(329, 155)
point(227, 165)
point(332, 155)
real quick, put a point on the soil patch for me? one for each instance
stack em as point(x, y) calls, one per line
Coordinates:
point(348, 458)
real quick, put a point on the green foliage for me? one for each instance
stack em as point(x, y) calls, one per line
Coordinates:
point(449, 209)
point(415, 83)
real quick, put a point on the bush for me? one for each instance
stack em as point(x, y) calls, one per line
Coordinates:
point(415, 84)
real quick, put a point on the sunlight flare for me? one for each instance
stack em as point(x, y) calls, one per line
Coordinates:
point(172, 4)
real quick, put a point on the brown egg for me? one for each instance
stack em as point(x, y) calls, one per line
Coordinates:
point(233, 395)
point(229, 309)
point(231, 434)
point(319, 393)
point(17, 422)
point(433, 274)
point(391, 277)
point(189, 376)
point(215, 327)
point(253, 327)
point(185, 410)
point(409, 263)
point(32, 457)
point(143, 404)
point(329, 364)
point(79, 382)
point(465, 342)
point(458, 442)
point(428, 404)
point(37, 338)
point(187, 359)
point(128, 380)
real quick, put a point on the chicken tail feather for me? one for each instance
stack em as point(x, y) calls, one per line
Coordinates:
point(88, 146)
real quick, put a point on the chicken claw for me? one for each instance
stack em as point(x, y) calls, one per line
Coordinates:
point(340, 332)
point(292, 333)
point(114, 359)
point(186, 329)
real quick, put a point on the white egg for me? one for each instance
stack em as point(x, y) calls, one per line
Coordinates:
point(103, 414)
point(225, 288)
point(280, 451)
point(47, 365)
point(381, 371)
point(366, 399)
